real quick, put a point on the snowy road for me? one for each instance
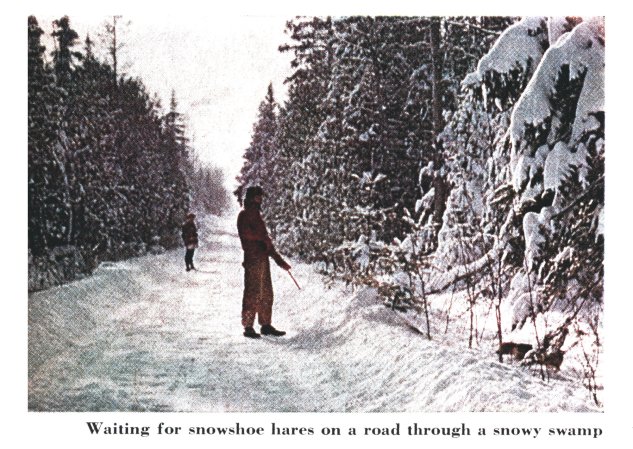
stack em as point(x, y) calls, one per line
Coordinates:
point(143, 335)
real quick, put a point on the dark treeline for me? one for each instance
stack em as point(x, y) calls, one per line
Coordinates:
point(209, 192)
point(109, 174)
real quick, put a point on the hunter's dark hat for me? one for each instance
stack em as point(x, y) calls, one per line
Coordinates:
point(251, 193)
point(254, 191)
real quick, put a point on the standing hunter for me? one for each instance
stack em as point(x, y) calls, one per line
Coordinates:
point(190, 238)
point(258, 247)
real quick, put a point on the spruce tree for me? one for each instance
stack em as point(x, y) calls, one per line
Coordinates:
point(260, 157)
point(64, 58)
point(106, 175)
point(43, 120)
point(299, 202)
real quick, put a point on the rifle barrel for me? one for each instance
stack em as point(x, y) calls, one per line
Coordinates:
point(293, 278)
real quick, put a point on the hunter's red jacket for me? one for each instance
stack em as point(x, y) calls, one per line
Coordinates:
point(189, 233)
point(254, 237)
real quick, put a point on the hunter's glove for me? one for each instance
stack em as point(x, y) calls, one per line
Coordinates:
point(281, 262)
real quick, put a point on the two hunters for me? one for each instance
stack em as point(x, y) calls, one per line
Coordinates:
point(258, 250)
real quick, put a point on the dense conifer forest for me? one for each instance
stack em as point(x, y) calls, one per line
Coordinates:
point(110, 173)
point(466, 154)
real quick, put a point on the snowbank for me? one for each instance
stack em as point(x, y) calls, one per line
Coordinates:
point(143, 335)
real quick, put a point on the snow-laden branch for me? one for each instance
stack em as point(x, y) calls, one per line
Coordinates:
point(440, 283)
point(517, 46)
point(583, 51)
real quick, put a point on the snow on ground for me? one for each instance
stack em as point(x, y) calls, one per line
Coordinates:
point(144, 335)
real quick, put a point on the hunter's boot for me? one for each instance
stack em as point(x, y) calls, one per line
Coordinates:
point(250, 333)
point(267, 329)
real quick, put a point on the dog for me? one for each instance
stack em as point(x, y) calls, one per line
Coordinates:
point(551, 359)
point(516, 350)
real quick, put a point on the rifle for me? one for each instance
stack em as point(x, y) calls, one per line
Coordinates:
point(293, 278)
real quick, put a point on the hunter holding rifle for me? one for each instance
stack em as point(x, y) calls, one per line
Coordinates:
point(258, 247)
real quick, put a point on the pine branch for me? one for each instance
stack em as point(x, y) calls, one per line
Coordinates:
point(589, 189)
point(470, 25)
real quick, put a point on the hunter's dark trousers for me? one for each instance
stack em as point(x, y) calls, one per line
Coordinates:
point(258, 292)
point(189, 257)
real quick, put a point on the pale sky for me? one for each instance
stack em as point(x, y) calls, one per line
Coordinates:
point(220, 68)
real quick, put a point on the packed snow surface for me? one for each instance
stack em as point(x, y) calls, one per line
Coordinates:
point(144, 335)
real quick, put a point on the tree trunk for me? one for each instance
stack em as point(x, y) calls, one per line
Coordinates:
point(439, 181)
point(436, 61)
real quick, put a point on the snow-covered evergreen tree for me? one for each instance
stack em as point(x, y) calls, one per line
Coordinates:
point(46, 209)
point(106, 172)
point(260, 156)
point(526, 151)
point(302, 213)
point(358, 124)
